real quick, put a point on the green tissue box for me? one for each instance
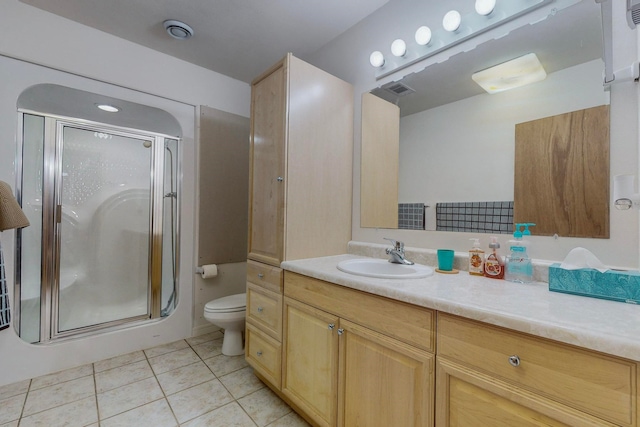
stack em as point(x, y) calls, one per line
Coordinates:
point(613, 285)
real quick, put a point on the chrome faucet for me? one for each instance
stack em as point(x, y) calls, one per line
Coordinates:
point(397, 252)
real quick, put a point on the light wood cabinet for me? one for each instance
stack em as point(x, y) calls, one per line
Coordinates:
point(301, 145)
point(340, 370)
point(490, 373)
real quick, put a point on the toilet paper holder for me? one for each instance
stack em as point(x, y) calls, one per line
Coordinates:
point(207, 271)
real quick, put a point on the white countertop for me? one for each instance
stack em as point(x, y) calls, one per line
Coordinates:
point(606, 326)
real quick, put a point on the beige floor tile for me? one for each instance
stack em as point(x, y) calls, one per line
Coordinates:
point(174, 360)
point(79, 413)
point(123, 375)
point(154, 414)
point(185, 377)
point(264, 406)
point(204, 338)
point(230, 415)
point(11, 424)
point(122, 360)
point(290, 420)
point(128, 397)
point(11, 408)
point(242, 382)
point(198, 400)
point(59, 394)
point(62, 376)
point(14, 389)
point(209, 349)
point(223, 365)
point(166, 348)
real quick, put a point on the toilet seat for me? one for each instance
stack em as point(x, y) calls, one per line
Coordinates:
point(228, 304)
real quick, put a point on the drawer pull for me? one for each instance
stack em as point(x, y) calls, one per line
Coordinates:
point(340, 331)
point(260, 275)
point(279, 179)
point(259, 353)
point(260, 309)
point(514, 360)
point(331, 326)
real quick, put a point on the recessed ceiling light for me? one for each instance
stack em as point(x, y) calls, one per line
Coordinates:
point(108, 108)
point(178, 30)
point(511, 74)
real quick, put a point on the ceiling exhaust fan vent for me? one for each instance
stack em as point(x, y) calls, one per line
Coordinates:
point(633, 13)
point(399, 89)
point(178, 30)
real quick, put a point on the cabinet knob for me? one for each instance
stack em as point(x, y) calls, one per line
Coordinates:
point(514, 360)
point(331, 326)
point(280, 179)
point(260, 275)
point(340, 331)
point(260, 309)
point(259, 353)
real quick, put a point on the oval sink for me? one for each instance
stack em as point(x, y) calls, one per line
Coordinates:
point(383, 269)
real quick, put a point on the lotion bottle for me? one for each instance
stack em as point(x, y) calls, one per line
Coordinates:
point(476, 259)
point(493, 264)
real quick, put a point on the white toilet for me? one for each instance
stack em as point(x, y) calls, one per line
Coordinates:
point(229, 314)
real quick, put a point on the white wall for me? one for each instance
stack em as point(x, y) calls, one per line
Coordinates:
point(347, 58)
point(87, 59)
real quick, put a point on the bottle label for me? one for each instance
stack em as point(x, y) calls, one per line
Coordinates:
point(492, 267)
point(475, 263)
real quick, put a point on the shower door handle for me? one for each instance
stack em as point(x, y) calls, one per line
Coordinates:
point(59, 214)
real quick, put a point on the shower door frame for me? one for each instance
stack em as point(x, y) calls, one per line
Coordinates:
point(53, 144)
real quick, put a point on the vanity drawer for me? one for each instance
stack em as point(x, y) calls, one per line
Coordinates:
point(409, 323)
point(264, 354)
point(264, 275)
point(264, 308)
point(594, 383)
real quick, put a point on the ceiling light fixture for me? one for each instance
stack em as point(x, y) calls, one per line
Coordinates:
point(423, 35)
point(485, 7)
point(515, 73)
point(178, 30)
point(451, 21)
point(398, 47)
point(108, 108)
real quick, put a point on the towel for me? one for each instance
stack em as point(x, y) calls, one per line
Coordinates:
point(5, 313)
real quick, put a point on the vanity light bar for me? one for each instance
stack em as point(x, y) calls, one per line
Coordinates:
point(457, 28)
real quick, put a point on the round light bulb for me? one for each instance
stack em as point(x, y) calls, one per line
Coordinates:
point(451, 21)
point(398, 47)
point(423, 35)
point(485, 7)
point(377, 59)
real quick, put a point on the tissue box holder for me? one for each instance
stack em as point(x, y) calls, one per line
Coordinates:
point(612, 285)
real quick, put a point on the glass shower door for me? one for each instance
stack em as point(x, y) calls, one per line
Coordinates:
point(103, 228)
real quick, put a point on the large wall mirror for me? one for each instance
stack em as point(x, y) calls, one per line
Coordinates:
point(456, 142)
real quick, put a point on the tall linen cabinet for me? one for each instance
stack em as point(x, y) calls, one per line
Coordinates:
point(300, 191)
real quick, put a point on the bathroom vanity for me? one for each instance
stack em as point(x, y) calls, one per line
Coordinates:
point(447, 350)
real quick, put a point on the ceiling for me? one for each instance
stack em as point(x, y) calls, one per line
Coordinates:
point(237, 38)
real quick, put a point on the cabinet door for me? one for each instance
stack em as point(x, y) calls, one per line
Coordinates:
point(383, 382)
point(310, 361)
point(466, 398)
point(267, 185)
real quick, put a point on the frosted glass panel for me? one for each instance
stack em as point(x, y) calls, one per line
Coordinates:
point(104, 228)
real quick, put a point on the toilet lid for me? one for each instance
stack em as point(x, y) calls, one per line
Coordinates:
point(227, 304)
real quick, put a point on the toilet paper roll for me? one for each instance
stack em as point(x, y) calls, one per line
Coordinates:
point(209, 271)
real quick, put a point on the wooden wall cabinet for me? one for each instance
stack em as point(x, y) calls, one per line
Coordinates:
point(492, 376)
point(339, 369)
point(301, 155)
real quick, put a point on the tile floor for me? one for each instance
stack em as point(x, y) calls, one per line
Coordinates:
point(186, 383)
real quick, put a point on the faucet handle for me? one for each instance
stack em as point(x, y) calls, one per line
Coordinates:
point(397, 244)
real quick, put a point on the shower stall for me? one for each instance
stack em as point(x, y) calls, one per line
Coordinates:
point(101, 251)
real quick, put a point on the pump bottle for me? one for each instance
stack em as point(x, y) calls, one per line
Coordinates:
point(493, 264)
point(518, 266)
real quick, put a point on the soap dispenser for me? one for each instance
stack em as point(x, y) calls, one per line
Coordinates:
point(476, 259)
point(493, 264)
point(518, 266)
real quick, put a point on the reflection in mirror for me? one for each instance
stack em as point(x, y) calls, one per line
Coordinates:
point(457, 142)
